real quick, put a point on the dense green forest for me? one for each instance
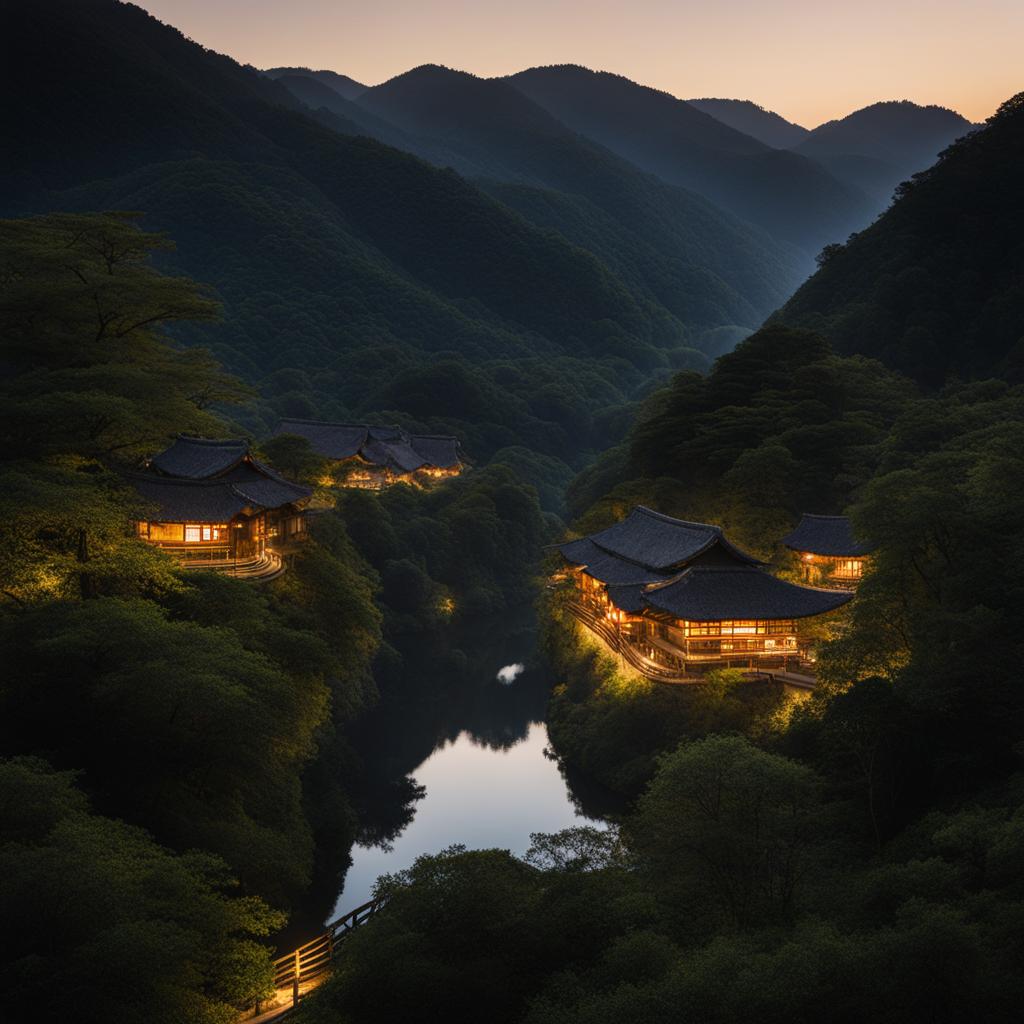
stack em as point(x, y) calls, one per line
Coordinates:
point(157, 726)
point(185, 758)
point(933, 288)
point(354, 276)
point(181, 738)
point(850, 857)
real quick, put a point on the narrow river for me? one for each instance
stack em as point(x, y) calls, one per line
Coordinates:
point(469, 746)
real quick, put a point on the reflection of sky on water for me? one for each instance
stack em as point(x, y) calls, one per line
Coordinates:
point(478, 796)
point(508, 674)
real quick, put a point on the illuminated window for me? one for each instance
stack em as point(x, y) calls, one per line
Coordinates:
point(204, 533)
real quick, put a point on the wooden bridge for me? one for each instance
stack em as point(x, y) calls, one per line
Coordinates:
point(298, 972)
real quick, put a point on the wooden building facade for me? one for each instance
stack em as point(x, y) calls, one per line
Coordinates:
point(377, 457)
point(684, 599)
point(215, 506)
point(829, 554)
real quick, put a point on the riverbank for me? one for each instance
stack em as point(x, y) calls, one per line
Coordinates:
point(612, 724)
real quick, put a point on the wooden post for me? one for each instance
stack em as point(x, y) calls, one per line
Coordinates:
point(295, 979)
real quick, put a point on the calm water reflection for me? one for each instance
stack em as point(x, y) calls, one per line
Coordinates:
point(476, 795)
point(466, 726)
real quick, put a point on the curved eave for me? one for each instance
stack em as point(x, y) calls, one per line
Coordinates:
point(714, 595)
point(826, 536)
point(606, 568)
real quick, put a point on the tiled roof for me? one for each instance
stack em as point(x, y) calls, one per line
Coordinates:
point(331, 440)
point(390, 447)
point(657, 542)
point(826, 535)
point(242, 483)
point(608, 568)
point(195, 501)
point(198, 458)
point(714, 593)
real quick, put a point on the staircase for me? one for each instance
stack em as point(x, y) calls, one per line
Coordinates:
point(258, 569)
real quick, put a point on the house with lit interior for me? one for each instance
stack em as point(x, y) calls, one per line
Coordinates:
point(829, 554)
point(676, 598)
point(214, 506)
point(377, 457)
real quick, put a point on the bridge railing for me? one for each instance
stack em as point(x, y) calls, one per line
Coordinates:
point(302, 965)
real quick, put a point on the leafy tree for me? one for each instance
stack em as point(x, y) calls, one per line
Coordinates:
point(101, 921)
point(725, 821)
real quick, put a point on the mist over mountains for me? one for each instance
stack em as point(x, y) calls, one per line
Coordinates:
point(804, 187)
point(548, 246)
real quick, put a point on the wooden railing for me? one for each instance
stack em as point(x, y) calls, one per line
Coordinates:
point(597, 623)
point(296, 970)
point(627, 649)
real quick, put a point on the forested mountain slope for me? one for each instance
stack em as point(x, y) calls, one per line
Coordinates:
point(792, 197)
point(348, 269)
point(879, 146)
point(347, 88)
point(935, 288)
point(754, 120)
point(667, 243)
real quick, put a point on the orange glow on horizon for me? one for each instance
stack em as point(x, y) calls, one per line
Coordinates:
point(809, 62)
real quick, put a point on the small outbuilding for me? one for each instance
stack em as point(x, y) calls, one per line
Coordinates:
point(830, 555)
point(377, 457)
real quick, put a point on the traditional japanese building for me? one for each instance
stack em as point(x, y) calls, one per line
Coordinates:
point(829, 554)
point(217, 507)
point(376, 457)
point(676, 598)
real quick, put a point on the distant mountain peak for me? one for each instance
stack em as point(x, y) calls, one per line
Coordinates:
point(347, 88)
point(752, 119)
point(899, 111)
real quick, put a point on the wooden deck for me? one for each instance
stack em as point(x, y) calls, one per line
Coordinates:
point(636, 659)
point(259, 569)
point(628, 652)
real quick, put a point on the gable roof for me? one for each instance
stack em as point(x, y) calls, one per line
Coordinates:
point(331, 440)
point(194, 501)
point(826, 535)
point(199, 458)
point(714, 593)
point(390, 447)
point(607, 567)
point(217, 500)
point(438, 450)
point(653, 541)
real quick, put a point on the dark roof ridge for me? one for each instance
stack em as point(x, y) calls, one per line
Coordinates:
point(323, 423)
point(734, 568)
point(674, 521)
point(369, 426)
point(220, 441)
point(829, 536)
point(178, 481)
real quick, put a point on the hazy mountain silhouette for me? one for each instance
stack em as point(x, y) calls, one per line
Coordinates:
point(356, 277)
point(935, 287)
point(745, 116)
point(879, 146)
point(791, 196)
point(665, 241)
point(354, 119)
point(347, 88)
point(341, 238)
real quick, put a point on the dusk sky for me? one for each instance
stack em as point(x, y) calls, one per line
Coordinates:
point(807, 59)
